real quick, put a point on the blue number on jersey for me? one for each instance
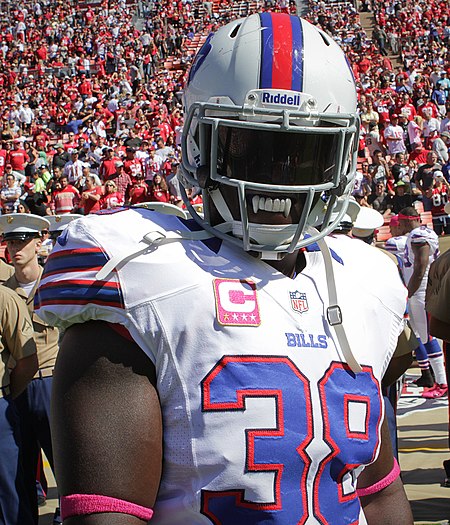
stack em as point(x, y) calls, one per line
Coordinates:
point(351, 411)
point(406, 259)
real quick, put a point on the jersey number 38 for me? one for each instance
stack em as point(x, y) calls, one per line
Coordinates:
point(321, 487)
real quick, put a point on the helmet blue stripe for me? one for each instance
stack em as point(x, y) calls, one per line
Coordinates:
point(266, 51)
point(297, 54)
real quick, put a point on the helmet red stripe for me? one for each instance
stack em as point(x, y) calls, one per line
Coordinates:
point(282, 51)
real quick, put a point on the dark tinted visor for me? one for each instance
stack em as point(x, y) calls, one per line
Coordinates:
point(276, 158)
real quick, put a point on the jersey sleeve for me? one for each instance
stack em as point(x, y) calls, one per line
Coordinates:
point(69, 291)
point(392, 245)
point(421, 236)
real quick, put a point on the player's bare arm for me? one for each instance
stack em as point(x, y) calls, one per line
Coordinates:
point(106, 421)
point(421, 261)
point(388, 505)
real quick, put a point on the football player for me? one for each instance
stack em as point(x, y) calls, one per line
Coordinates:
point(421, 250)
point(226, 370)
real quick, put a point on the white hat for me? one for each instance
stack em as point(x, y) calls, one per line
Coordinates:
point(367, 221)
point(22, 226)
point(58, 223)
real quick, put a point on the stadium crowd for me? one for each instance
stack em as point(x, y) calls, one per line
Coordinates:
point(92, 113)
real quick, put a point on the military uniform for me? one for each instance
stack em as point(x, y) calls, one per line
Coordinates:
point(16, 342)
point(34, 403)
point(6, 271)
point(437, 302)
point(438, 291)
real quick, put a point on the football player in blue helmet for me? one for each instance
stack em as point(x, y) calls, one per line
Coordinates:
point(209, 374)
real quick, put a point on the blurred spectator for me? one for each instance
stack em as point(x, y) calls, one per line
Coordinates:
point(415, 132)
point(10, 194)
point(393, 134)
point(402, 197)
point(18, 157)
point(111, 198)
point(122, 180)
point(65, 198)
point(139, 191)
point(440, 147)
point(400, 170)
point(379, 169)
point(73, 169)
point(380, 200)
point(372, 140)
point(158, 190)
point(173, 185)
point(19, 177)
point(424, 178)
point(107, 165)
point(438, 194)
point(90, 196)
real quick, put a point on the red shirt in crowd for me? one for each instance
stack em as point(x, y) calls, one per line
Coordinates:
point(91, 205)
point(111, 200)
point(18, 159)
point(3, 154)
point(107, 168)
point(133, 167)
point(419, 155)
point(139, 193)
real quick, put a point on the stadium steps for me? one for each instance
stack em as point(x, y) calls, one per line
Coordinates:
point(368, 23)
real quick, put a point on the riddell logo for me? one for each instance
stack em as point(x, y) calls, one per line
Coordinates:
point(236, 302)
point(286, 100)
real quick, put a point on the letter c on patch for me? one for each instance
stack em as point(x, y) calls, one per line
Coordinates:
point(236, 296)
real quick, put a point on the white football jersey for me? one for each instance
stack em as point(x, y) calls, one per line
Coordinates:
point(396, 245)
point(419, 235)
point(263, 420)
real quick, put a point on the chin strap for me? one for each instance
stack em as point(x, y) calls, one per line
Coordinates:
point(334, 313)
point(151, 240)
point(221, 205)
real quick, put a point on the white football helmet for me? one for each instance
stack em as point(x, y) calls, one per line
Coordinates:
point(270, 111)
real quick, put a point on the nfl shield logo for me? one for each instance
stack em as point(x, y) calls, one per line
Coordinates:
point(299, 303)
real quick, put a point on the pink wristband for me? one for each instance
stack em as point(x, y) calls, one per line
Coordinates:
point(382, 484)
point(79, 504)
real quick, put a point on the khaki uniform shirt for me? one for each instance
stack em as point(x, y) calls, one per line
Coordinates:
point(16, 332)
point(6, 270)
point(437, 300)
point(46, 336)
